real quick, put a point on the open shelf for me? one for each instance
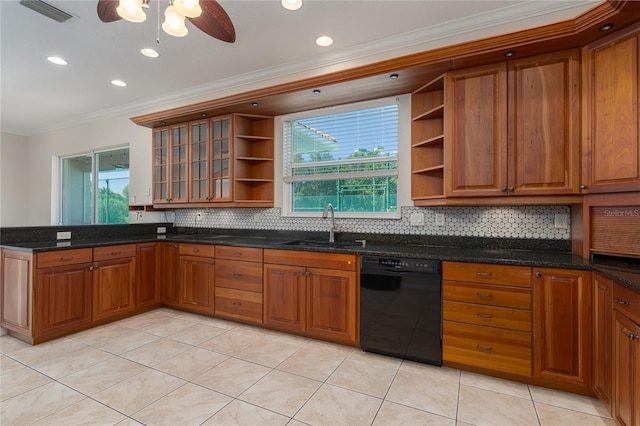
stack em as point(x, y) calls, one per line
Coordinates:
point(253, 155)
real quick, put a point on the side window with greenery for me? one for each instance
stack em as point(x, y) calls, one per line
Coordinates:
point(347, 158)
point(95, 188)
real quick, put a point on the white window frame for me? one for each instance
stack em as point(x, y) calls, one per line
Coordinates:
point(283, 189)
point(94, 200)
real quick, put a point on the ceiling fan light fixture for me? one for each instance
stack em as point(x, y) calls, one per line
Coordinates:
point(188, 8)
point(174, 22)
point(131, 10)
point(291, 4)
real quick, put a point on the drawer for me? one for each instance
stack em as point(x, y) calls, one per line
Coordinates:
point(491, 316)
point(202, 250)
point(516, 276)
point(485, 347)
point(114, 252)
point(494, 295)
point(311, 259)
point(239, 275)
point(240, 304)
point(64, 257)
point(626, 301)
point(248, 254)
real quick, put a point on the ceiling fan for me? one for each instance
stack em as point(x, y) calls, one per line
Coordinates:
point(213, 20)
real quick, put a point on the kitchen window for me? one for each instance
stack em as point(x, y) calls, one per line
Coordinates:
point(346, 156)
point(86, 200)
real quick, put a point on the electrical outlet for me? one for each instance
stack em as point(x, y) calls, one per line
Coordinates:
point(439, 219)
point(161, 229)
point(561, 221)
point(417, 219)
point(63, 235)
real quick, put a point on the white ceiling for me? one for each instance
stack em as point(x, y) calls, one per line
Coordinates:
point(272, 45)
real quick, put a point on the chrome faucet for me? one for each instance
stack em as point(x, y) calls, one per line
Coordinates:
point(333, 221)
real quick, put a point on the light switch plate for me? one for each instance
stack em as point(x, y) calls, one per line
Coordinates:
point(439, 219)
point(561, 221)
point(63, 235)
point(417, 219)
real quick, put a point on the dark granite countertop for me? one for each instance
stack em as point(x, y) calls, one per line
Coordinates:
point(537, 257)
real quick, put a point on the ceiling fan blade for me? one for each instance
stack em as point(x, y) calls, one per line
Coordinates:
point(214, 21)
point(107, 10)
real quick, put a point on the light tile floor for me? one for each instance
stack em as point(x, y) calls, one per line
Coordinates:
point(172, 368)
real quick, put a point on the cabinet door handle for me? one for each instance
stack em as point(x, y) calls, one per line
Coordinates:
point(621, 301)
point(503, 189)
point(237, 276)
point(633, 337)
point(483, 274)
point(485, 316)
point(583, 186)
point(484, 348)
point(538, 274)
point(485, 295)
point(512, 188)
point(66, 258)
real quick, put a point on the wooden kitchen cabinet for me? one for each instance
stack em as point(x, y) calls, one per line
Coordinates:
point(17, 291)
point(223, 161)
point(611, 91)
point(487, 318)
point(238, 283)
point(626, 356)
point(114, 274)
point(63, 292)
point(514, 128)
point(562, 326)
point(310, 294)
point(170, 147)
point(197, 273)
point(148, 274)
point(170, 277)
point(602, 330)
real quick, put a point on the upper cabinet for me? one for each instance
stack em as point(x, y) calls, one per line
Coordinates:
point(513, 128)
point(222, 161)
point(611, 136)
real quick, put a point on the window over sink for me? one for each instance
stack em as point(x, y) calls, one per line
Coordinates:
point(346, 156)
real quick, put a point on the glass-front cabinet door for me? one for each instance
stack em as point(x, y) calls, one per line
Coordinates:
point(221, 158)
point(200, 152)
point(160, 165)
point(178, 173)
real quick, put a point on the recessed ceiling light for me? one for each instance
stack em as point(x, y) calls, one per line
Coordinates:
point(605, 27)
point(316, 91)
point(56, 60)
point(324, 41)
point(150, 53)
point(291, 4)
point(118, 83)
point(509, 53)
point(254, 104)
point(394, 76)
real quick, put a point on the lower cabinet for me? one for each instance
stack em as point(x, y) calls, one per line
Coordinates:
point(602, 330)
point(147, 274)
point(626, 356)
point(562, 338)
point(170, 277)
point(62, 294)
point(312, 295)
point(17, 290)
point(114, 274)
point(487, 317)
point(197, 272)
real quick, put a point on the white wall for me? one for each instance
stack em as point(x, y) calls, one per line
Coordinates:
point(13, 178)
point(37, 197)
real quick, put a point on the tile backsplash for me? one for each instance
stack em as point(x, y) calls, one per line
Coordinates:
point(529, 222)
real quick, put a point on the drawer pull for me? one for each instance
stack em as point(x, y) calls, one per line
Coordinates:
point(485, 295)
point(484, 274)
point(237, 276)
point(484, 348)
point(237, 253)
point(485, 316)
point(195, 250)
point(621, 301)
point(237, 303)
point(116, 252)
point(66, 258)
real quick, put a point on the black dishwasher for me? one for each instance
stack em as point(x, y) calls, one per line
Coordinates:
point(401, 308)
